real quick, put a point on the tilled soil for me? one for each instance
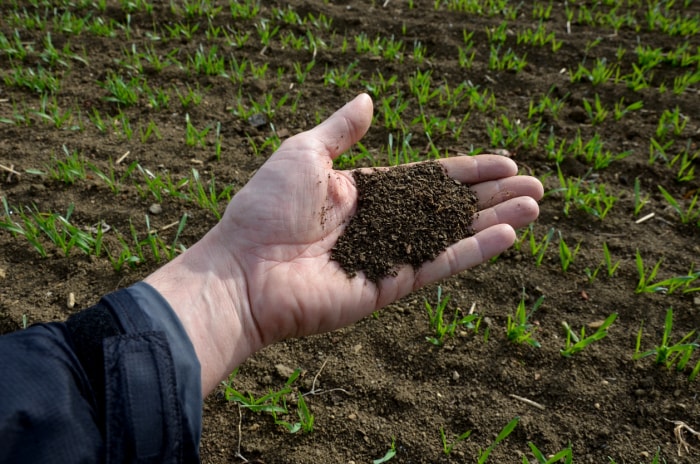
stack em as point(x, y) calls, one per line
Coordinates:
point(380, 380)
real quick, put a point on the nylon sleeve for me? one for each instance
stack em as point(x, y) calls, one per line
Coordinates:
point(118, 382)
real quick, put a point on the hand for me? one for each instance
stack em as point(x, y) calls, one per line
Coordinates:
point(271, 253)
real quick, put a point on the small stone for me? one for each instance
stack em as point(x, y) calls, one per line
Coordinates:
point(257, 120)
point(284, 371)
point(455, 375)
point(155, 208)
point(3, 273)
point(696, 301)
point(70, 301)
point(352, 416)
point(502, 152)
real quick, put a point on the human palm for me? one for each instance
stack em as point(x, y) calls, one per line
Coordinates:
point(283, 224)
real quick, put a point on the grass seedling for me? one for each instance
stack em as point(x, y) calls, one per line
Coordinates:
point(438, 323)
point(218, 139)
point(566, 255)
point(595, 111)
point(620, 110)
point(677, 354)
point(25, 228)
point(507, 430)
point(639, 200)
point(125, 124)
point(193, 136)
point(538, 249)
point(587, 196)
point(670, 285)
point(70, 169)
point(592, 274)
point(448, 447)
point(686, 164)
point(36, 227)
point(687, 215)
point(564, 456)
point(643, 284)
point(306, 419)
point(124, 256)
point(672, 122)
point(206, 196)
point(52, 114)
point(121, 92)
point(391, 452)
point(272, 402)
point(39, 81)
point(157, 185)
point(191, 97)
point(508, 61)
point(657, 150)
point(518, 327)
point(150, 130)
point(341, 78)
point(575, 344)
point(607, 259)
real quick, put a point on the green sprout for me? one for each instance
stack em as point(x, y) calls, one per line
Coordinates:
point(448, 447)
point(391, 452)
point(507, 430)
point(518, 327)
point(442, 328)
point(668, 354)
point(575, 344)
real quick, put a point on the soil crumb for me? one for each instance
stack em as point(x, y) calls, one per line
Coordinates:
point(405, 215)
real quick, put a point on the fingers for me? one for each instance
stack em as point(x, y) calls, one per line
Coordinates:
point(345, 127)
point(516, 212)
point(475, 169)
point(466, 253)
point(494, 234)
point(496, 191)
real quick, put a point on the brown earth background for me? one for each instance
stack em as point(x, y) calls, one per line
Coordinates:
point(381, 380)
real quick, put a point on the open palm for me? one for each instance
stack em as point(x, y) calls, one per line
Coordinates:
point(284, 222)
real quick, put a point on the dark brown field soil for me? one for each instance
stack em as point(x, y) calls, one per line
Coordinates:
point(405, 216)
point(380, 380)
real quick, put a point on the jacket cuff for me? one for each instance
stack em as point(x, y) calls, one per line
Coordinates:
point(187, 368)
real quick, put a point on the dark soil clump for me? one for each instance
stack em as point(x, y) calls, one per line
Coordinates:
point(406, 215)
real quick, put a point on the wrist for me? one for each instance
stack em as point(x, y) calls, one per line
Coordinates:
point(206, 288)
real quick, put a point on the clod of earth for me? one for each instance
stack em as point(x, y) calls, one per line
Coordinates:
point(405, 216)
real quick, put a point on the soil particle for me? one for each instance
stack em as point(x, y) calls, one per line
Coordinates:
point(406, 215)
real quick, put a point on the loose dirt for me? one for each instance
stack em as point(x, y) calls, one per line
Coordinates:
point(405, 216)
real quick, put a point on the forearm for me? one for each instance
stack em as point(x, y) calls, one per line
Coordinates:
point(209, 302)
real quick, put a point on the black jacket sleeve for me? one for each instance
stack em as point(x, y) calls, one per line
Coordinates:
point(118, 382)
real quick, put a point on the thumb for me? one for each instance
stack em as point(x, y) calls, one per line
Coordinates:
point(345, 127)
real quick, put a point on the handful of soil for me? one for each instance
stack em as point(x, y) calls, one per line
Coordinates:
point(405, 215)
